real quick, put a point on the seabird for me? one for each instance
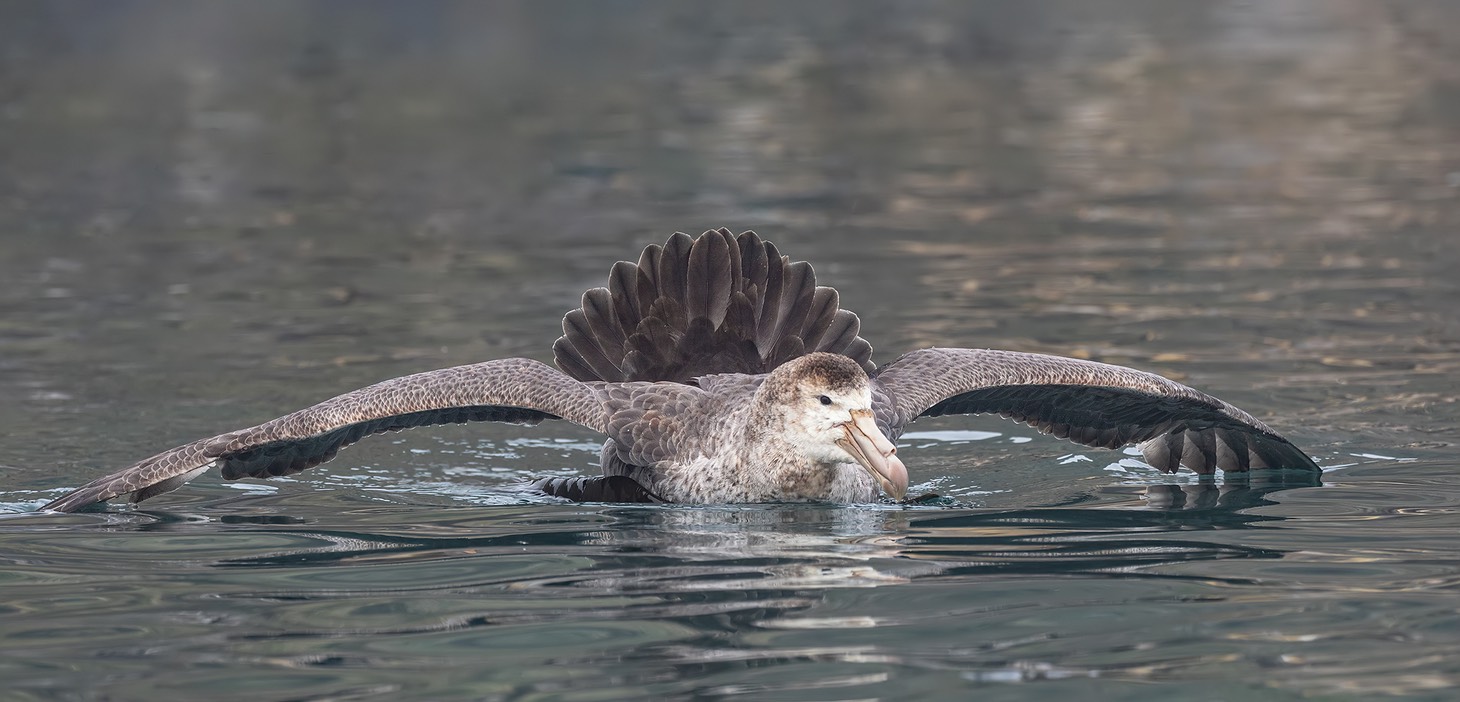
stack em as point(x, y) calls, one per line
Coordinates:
point(720, 373)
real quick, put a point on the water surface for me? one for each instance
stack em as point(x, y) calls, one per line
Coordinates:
point(215, 214)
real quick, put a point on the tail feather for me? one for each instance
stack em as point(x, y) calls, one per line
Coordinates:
point(717, 303)
point(770, 302)
point(740, 318)
point(673, 271)
point(709, 279)
point(787, 348)
point(571, 362)
point(821, 312)
point(754, 261)
point(842, 331)
point(798, 290)
point(647, 279)
point(859, 350)
point(623, 295)
point(580, 334)
point(603, 322)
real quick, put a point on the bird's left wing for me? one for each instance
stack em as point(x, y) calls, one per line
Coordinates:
point(516, 390)
point(1094, 404)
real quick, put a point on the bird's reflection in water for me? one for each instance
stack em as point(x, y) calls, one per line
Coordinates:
point(812, 546)
point(1236, 492)
point(809, 546)
point(711, 568)
point(860, 547)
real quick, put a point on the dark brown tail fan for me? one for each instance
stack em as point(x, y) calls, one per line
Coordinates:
point(718, 303)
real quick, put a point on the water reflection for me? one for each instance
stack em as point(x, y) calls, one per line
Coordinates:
point(1229, 496)
point(708, 599)
point(706, 573)
point(661, 550)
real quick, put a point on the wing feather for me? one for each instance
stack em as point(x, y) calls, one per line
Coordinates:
point(515, 390)
point(1094, 404)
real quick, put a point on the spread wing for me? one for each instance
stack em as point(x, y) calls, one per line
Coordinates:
point(514, 390)
point(1094, 404)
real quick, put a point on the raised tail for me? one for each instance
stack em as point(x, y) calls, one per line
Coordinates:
point(718, 303)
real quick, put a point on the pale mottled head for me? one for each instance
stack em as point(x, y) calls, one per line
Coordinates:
point(824, 407)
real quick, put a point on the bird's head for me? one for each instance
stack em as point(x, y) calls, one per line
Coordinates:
point(824, 406)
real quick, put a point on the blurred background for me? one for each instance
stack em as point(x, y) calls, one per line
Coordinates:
point(226, 186)
point(212, 213)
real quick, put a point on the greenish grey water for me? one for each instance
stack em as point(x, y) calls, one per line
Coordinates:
point(214, 213)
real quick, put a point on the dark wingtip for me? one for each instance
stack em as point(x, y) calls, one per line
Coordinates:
point(77, 500)
point(1208, 450)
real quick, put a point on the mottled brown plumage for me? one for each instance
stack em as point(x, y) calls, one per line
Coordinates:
point(720, 372)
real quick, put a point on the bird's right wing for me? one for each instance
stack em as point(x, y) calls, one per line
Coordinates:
point(516, 390)
point(1095, 404)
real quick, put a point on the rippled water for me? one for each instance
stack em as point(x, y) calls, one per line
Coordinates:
point(214, 214)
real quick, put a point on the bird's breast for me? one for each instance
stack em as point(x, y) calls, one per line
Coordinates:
point(708, 481)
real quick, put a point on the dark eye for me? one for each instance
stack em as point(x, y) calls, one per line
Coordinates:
point(824, 400)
